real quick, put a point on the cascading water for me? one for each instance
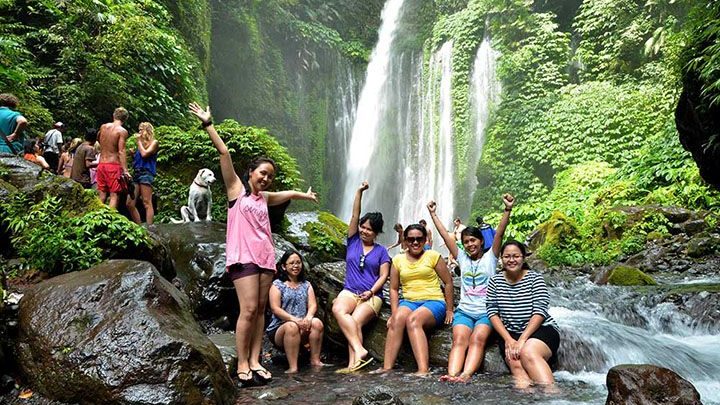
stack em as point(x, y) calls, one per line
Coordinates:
point(485, 93)
point(611, 326)
point(371, 112)
point(429, 172)
point(340, 128)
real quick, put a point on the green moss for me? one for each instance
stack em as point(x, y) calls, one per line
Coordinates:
point(655, 236)
point(327, 236)
point(629, 276)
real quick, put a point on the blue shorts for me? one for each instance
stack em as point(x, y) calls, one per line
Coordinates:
point(143, 176)
point(471, 321)
point(437, 308)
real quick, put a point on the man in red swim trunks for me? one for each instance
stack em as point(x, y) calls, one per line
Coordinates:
point(112, 170)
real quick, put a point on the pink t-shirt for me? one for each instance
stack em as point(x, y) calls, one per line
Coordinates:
point(249, 239)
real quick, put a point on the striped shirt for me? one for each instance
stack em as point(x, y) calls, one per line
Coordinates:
point(516, 303)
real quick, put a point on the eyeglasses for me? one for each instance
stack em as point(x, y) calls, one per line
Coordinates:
point(362, 262)
point(413, 239)
point(515, 257)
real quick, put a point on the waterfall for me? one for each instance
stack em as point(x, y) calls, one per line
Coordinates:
point(484, 94)
point(371, 111)
point(340, 127)
point(429, 160)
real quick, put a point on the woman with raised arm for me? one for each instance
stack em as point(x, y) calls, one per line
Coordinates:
point(293, 304)
point(425, 305)
point(367, 265)
point(249, 250)
point(471, 325)
point(517, 305)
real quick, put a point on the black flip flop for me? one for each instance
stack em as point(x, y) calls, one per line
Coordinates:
point(259, 378)
point(246, 382)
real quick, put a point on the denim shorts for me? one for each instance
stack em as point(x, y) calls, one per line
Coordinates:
point(143, 176)
point(437, 308)
point(471, 321)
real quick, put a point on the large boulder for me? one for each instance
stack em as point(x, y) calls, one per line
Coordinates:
point(645, 384)
point(626, 276)
point(198, 252)
point(118, 333)
point(328, 281)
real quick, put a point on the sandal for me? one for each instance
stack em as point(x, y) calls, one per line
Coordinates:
point(261, 375)
point(245, 378)
point(361, 363)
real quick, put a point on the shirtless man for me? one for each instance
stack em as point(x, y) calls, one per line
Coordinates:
point(113, 161)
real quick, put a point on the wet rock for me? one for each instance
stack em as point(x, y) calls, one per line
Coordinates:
point(328, 281)
point(577, 353)
point(693, 227)
point(272, 394)
point(646, 384)
point(699, 302)
point(701, 245)
point(119, 333)
point(629, 276)
point(379, 395)
point(198, 252)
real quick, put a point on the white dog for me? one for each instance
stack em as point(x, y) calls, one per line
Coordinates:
point(199, 199)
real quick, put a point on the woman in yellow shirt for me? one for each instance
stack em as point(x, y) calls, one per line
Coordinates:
point(424, 304)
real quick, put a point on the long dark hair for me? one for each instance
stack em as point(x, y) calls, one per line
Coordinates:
point(254, 164)
point(282, 273)
point(520, 246)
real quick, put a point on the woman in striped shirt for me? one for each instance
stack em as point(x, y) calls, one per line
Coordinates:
point(517, 305)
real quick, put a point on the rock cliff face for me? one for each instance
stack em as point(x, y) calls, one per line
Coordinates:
point(117, 333)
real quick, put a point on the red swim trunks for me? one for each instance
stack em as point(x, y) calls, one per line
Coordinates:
point(109, 178)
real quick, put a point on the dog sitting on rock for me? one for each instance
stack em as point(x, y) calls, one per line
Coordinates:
point(199, 199)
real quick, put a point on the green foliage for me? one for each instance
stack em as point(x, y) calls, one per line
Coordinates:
point(56, 240)
point(81, 59)
point(183, 153)
point(629, 276)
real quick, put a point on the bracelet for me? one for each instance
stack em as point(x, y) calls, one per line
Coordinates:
point(508, 209)
point(206, 124)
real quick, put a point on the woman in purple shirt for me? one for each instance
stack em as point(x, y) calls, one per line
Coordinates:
point(367, 265)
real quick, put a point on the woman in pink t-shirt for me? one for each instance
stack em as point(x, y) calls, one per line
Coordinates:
point(249, 251)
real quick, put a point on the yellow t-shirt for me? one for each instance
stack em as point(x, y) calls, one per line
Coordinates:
point(418, 280)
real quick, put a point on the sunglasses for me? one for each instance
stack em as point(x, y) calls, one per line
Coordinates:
point(413, 239)
point(362, 262)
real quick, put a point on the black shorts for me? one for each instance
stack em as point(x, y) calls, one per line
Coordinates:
point(547, 334)
point(240, 270)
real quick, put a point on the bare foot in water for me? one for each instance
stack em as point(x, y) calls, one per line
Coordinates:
point(423, 374)
point(291, 371)
point(463, 378)
point(317, 364)
point(380, 371)
point(448, 378)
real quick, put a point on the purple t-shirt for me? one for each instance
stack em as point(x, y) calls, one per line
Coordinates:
point(359, 280)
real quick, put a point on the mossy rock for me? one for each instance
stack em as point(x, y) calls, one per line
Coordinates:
point(326, 237)
point(556, 230)
point(655, 236)
point(702, 245)
point(629, 276)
